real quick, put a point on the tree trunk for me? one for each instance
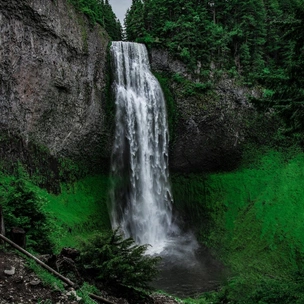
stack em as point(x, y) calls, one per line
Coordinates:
point(18, 236)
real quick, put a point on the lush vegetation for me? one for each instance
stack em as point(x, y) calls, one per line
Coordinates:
point(77, 218)
point(100, 11)
point(52, 221)
point(23, 208)
point(79, 211)
point(259, 42)
point(117, 261)
point(253, 219)
point(245, 35)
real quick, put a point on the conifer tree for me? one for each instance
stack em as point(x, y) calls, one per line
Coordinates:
point(100, 11)
point(117, 261)
point(134, 22)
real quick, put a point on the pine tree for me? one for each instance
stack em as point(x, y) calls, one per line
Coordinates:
point(100, 11)
point(118, 261)
point(134, 21)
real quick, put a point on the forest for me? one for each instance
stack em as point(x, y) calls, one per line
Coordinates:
point(100, 11)
point(258, 42)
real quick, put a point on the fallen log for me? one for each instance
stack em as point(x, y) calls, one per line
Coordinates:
point(61, 277)
point(95, 297)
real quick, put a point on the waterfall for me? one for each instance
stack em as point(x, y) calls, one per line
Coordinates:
point(141, 199)
point(141, 196)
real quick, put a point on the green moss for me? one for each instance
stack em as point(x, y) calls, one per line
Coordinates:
point(253, 218)
point(45, 276)
point(65, 219)
point(79, 211)
point(188, 88)
point(264, 218)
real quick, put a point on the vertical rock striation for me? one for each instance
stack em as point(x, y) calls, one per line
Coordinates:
point(52, 78)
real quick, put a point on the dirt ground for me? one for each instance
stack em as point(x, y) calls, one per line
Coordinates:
point(19, 285)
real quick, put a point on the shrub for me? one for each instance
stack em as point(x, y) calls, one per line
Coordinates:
point(23, 208)
point(117, 261)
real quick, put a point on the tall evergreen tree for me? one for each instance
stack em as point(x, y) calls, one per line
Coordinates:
point(249, 36)
point(134, 21)
point(100, 11)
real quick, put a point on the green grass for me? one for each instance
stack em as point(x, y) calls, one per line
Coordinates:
point(71, 217)
point(79, 211)
point(49, 279)
point(253, 218)
point(264, 205)
point(45, 276)
point(84, 292)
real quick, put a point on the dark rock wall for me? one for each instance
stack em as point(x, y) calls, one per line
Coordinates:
point(52, 77)
point(212, 127)
point(211, 130)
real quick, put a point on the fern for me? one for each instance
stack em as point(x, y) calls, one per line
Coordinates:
point(118, 261)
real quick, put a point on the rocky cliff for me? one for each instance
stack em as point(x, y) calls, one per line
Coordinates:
point(53, 84)
point(52, 80)
point(213, 121)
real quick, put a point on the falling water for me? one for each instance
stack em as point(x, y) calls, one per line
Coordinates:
point(141, 195)
point(141, 200)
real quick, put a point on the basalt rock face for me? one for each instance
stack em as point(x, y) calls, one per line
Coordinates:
point(211, 131)
point(52, 79)
point(162, 61)
point(211, 127)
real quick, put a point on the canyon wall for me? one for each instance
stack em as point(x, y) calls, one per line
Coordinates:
point(52, 81)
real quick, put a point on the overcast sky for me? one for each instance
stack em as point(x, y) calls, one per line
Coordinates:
point(120, 7)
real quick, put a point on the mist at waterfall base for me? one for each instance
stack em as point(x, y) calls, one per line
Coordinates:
point(141, 199)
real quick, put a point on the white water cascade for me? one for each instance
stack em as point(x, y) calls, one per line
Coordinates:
point(141, 195)
point(141, 199)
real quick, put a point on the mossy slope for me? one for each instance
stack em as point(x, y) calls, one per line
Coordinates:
point(80, 210)
point(253, 217)
point(67, 219)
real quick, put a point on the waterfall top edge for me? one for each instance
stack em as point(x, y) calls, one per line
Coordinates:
point(126, 42)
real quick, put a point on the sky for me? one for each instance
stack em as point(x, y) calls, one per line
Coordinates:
point(120, 7)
